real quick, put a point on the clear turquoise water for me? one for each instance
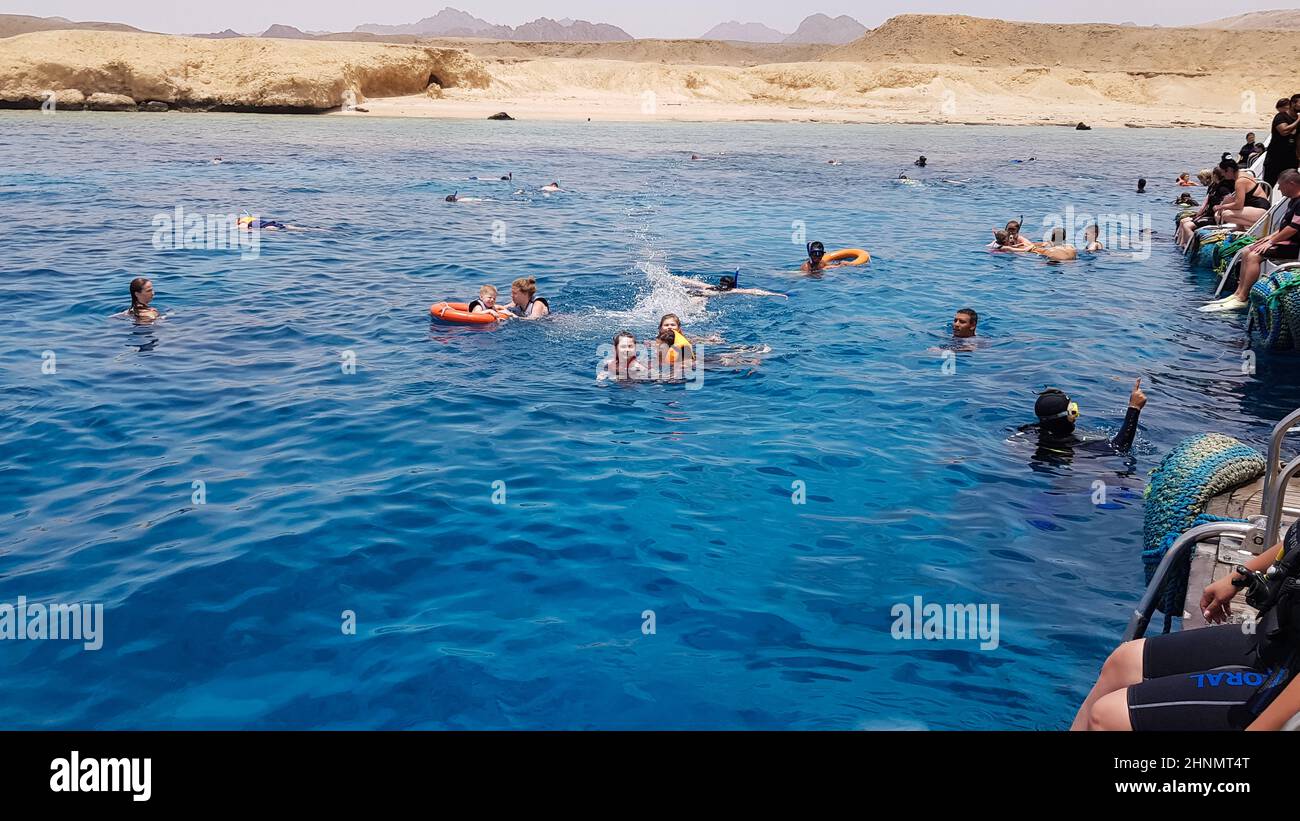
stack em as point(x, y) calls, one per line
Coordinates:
point(372, 491)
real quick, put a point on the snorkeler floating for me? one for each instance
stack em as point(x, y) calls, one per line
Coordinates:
point(726, 285)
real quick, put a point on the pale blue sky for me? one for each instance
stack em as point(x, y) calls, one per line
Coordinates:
point(643, 18)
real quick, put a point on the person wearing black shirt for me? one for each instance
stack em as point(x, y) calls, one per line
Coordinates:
point(1281, 143)
point(1249, 151)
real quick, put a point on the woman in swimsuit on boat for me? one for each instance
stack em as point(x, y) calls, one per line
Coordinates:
point(1247, 203)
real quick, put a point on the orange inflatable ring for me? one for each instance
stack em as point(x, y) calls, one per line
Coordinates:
point(849, 256)
point(458, 312)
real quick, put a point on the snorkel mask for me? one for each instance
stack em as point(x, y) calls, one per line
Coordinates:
point(1071, 413)
point(727, 283)
point(816, 251)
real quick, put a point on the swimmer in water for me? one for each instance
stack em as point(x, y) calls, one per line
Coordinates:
point(1185, 179)
point(1142, 185)
point(964, 323)
point(834, 162)
point(1058, 415)
point(217, 161)
point(623, 364)
point(487, 303)
point(920, 162)
point(671, 349)
point(1010, 238)
point(695, 156)
point(524, 301)
point(551, 188)
point(252, 224)
point(816, 251)
point(1185, 198)
point(141, 296)
point(1056, 249)
point(726, 285)
point(1091, 239)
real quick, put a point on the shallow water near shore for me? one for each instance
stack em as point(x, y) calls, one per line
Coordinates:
point(373, 491)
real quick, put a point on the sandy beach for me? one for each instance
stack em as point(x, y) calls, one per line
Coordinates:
point(912, 69)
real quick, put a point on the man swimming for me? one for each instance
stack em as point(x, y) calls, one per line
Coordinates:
point(920, 162)
point(816, 251)
point(964, 323)
point(726, 285)
point(1142, 185)
point(1056, 249)
point(1058, 414)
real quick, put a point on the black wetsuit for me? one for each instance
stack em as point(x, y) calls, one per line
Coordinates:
point(1072, 442)
point(1249, 152)
point(1215, 678)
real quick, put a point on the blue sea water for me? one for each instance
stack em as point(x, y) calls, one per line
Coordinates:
point(373, 491)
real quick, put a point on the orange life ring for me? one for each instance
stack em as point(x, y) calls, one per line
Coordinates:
point(458, 312)
point(848, 256)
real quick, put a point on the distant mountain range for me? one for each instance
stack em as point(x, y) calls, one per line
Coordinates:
point(12, 24)
point(1287, 19)
point(816, 28)
point(744, 33)
point(456, 23)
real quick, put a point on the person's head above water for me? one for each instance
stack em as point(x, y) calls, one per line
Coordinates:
point(1142, 185)
point(1013, 228)
point(964, 323)
point(523, 290)
point(726, 283)
point(1091, 232)
point(670, 322)
point(625, 346)
point(452, 197)
point(816, 251)
point(141, 293)
point(1001, 237)
point(1056, 412)
point(1058, 235)
point(488, 296)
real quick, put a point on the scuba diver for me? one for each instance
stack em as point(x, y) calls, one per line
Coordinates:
point(1058, 414)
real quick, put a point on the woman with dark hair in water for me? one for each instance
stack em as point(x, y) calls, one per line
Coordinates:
point(141, 296)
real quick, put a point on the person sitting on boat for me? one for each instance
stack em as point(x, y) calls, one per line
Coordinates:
point(964, 323)
point(1283, 245)
point(524, 301)
point(487, 303)
point(1058, 416)
point(1221, 677)
point(1246, 204)
point(623, 363)
point(1250, 151)
point(726, 285)
point(1218, 189)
